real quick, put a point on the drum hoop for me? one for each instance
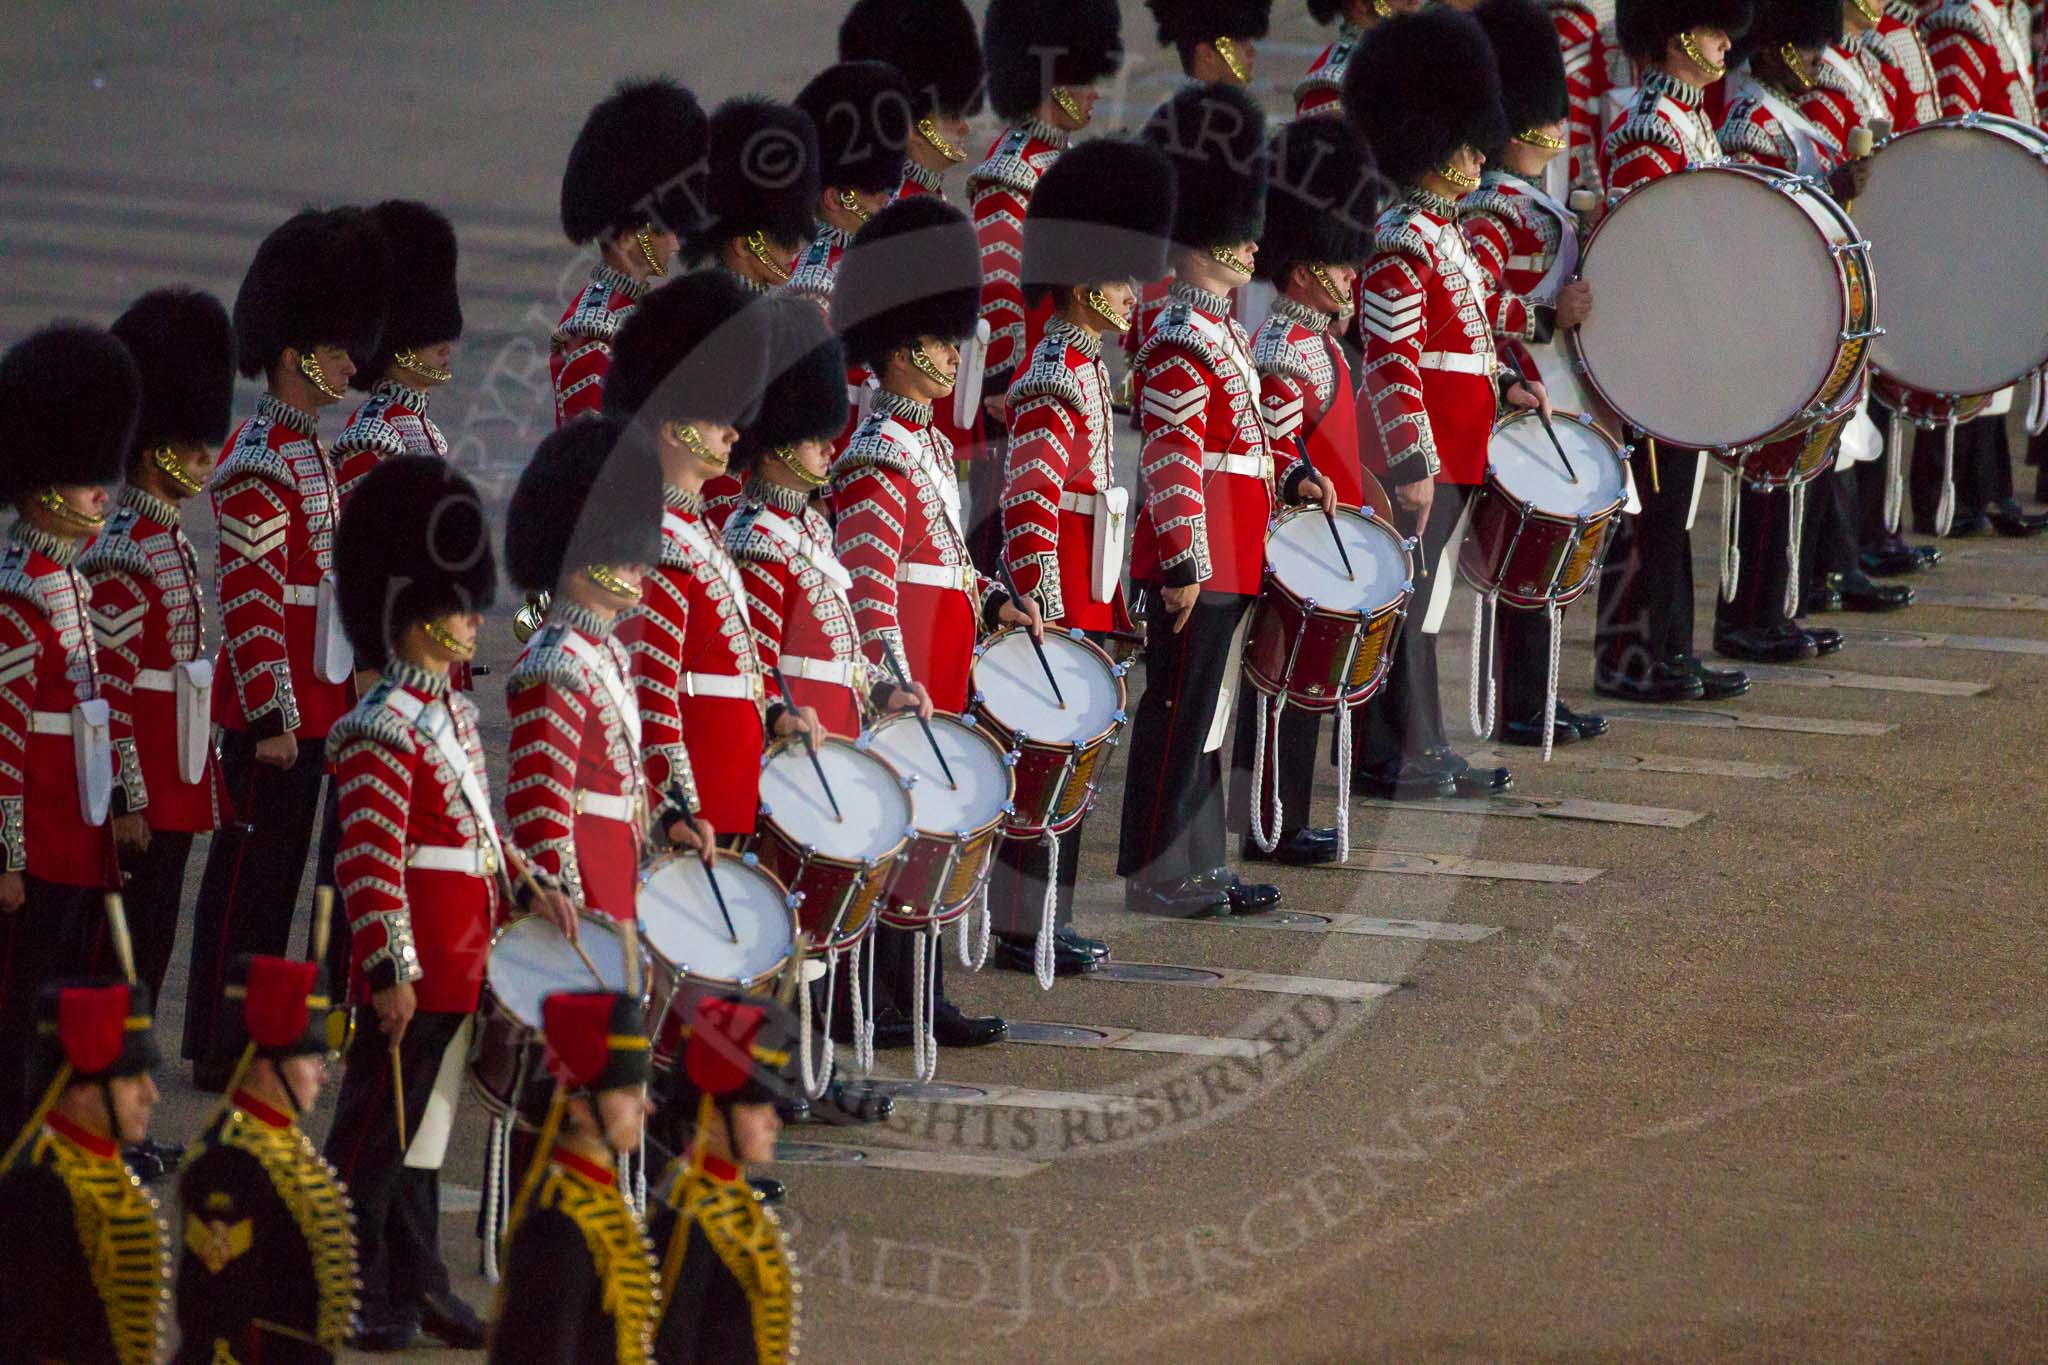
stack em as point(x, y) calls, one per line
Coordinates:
point(1009, 779)
point(1322, 613)
point(1006, 738)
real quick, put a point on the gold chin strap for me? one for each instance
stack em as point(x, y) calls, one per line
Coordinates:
point(1223, 255)
point(930, 370)
point(1458, 177)
point(685, 435)
point(1691, 48)
point(53, 502)
point(1100, 304)
point(758, 245)
point(852, 205)
point(445, 638)
point(1796, 64)
point(1227, 50)
point(1070, 106)
point(1871, 13)
point(409, 359)
point(795, 465)
point(1330, 287)
point(309, 366)
point(1381, 9)
point(645, 237)
point(531, 617)
point(1536, 137)
point(173, 468)
point(602, 575)
point(929, 131)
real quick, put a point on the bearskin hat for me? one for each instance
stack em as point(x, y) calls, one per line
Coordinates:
point(1200, 21)
point(1800, 23)
point(184, 349)
point(1531, 64)
point(662, 369)
point(320, 279)
point(1215, 137)
point(413, 545)
point(1104, 211)
point(639, 158)
point(422, 306)
point(276, 1007)
point(1324, 197)
point(589, 495)
point(913, 271)
point(1645, 26)
point(1420, 87)
point(1323, 11)
point(932, 42)
point(1030, 46)
point(100, 1027)
point(71, 394)
point(806, 396)
point(861, 111)
point(764, 176)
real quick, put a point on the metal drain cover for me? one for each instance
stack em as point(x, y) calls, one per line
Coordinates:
point(1024, 1031)
point(1152, 971)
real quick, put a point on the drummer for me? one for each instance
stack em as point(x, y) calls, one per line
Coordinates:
point(1528, 244)
point(1097, 225)
point(1424, 91)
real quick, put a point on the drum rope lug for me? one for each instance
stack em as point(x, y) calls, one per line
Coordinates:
point(1865, 335)
point(1849, 248)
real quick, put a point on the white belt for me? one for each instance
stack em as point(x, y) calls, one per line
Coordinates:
point(839, 671)
point(608, 806)
point(1080, 502)
point(1527, 263)
point(1251, 466)
point(301, 595)
point(50, 723)
point(738, 686)
point(470, 862)
point(959, 576)
point(155, 680)
point(1457, 362)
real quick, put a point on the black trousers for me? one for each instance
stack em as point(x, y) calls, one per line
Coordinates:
point(251, 885)
point(1293, 749)
point(986, 473)
point(1016, 883)
point(51, 936)
point(1405, 718)
point(153, 895)
point(1830, 538)
point(1522, 664)
point(1983, 468)
point(1646, 609)
point(1173, 825)
point(398, 1208)
point(1766, 564)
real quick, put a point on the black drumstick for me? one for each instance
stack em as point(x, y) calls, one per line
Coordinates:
point(1517, 377)
point(896, 667)
point(675, 794)
point(1329, 520)
point(1010, 586)
point(810, 745)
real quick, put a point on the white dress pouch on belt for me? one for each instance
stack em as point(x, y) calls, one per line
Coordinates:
point(333, 660)
point(92, 750)
point(192, 685)
point(1112, 508)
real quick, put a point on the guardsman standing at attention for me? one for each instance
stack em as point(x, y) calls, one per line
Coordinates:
point(1217, 40)
point(313, 298)
point(85, 1267)
point(634, 181)
point(579, 1285)
point(1321, 90)
point(934, 45)
point(861, 112)
point(71, 394)
point(267, 1262)
point(759, 217)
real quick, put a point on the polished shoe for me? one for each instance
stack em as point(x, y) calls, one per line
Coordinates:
point(452, 1322)
point(1961, 527)
point(850, 1102)
point(1246, 898)
point(1897, 559)
point(1716, 684)
point(1019, 953)
point(1820, 597)
point(386, 1335)
point(1187, 898)
point(1860, 592)
point(1407, 780)
point(954, 1029)
point(1094, 947)
point(1785, 646)
point(1467, 780)
point(1304, 847)
point(1825, 639)
point(793, 1109)
point(151, 1160)
point(1586, 723)
point(1664, 683)
point(768, 1190)
point(1528, 734)
point(2011, 519)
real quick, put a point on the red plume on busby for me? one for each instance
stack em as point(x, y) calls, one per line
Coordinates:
point(1215, 137)
point(639, 160)
point(98, 1027)
point(413, 545)
point(764, 176)
point(1530, 63)
point(913, 271)
point(322, 278)
point(184, 350)
point(595, 1040)
point(586, 497)
point(1420, 87)
point(806, 395)
point(71, 394)
point(1644, 27)
point(861, 112)
point(932, 42)
point(1030, 46)
point(283, 1008)
point(1322, 200)
point(692, 351)
point(422, 307)
point(1103, 211)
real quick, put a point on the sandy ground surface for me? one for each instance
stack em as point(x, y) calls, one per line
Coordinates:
point(1766, 1087)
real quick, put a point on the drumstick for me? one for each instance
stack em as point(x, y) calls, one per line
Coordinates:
point(1017, 599)
point(1655, 487)
point(629, 941)
point(124, 946)
point(323, 920)
point(896, 667)
point(1516, 376)
point(398, 1098)
point(793, 974)
point(1342, 553)
point(810, 745)
point(675, 794)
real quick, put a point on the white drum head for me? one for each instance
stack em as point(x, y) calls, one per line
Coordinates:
point(1013, 687)
point(679, 915)
point(874, 810)
point(1526, 464)
point(1719, 308)
point(1955, 217)
point(978, 766)
point(1305, 559)
point(530, 960)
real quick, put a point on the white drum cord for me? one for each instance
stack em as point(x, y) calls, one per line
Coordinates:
point(1556, 622)
point(925, 948)
point(860, 990)
point(1796, 531)
point(1731, 526)
point(1485, 609)
point(1265, 798)
point(1945, 510)
point(1042, 964)
point(1343, 784)
point(976, 915)
point(1894, 471)
point(496, 1159)
point(815, 1079)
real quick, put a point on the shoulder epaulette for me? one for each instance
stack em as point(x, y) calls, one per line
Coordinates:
point(1644, 127)
point(114, 550)
point(374, 718)
point(592, 315)
point(1494, 200)
point(744, 538)
point(1963, 18)
point(547, 661)
point(869, 446)
point(1176, 328)
point(1047, 373)
point(1274, 351)
point(22, 586)
point(1395, 233)
point(370, 433)
point(254, 456)
point(1006, 166)
point(1741, 134)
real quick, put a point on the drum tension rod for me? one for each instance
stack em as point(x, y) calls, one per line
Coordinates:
point(675, 794)
point(1328, 520)
point(810, 747)
point(1017, 600)
point(896, 667)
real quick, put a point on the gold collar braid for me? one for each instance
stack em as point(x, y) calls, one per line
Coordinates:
point(126, 1244)
point(749, 1243)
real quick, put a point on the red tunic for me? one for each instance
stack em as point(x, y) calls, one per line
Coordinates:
point(147, 618)
point(1322, 89)
point(1914, 97)
point(580, 351)
point(797, 603)
point(1589, 57)
point(416, 913)
point(1000, 191)
point(1662, 129)
point(1756, 133)
point(919, 180)
point(47, 667)
point(916, 597)
point(275, 497)
point(1306, 394)
point(392, 422)
point(817, 271)
point(576, 803)
point(1982, 61)
point(696, 676)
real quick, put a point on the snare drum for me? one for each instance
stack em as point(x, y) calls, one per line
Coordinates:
point(1323, 638)
point(1057, 749)
point(1736, 306)
point(685, 932)
point(943, 868)
point(1538, 532)
point(837, 865)
point(529, 960)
